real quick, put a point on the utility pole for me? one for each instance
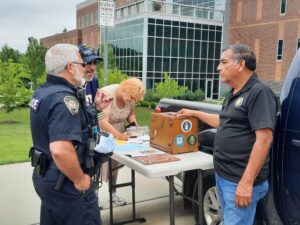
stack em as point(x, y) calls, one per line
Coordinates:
point(106, 19)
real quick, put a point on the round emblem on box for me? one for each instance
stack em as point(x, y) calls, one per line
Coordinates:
point(179, 140)
point(191, 140)
point(186, 125)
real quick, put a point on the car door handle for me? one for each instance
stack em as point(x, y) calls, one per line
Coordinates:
point(296, 143)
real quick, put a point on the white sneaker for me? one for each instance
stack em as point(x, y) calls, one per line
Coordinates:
point(117, 200)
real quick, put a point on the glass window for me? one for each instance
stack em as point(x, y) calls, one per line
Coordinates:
point(197, 34)
point(183, 24)
point(211, 50)
point(149, 83)
point(175, 32)
point(196, 65)
point(158, 46)
point(151, 30)
point(166, 64)
point(197, 49)
point(204, 50)
point(136, 63)
point(191, 25)
point(195, 85)
point(182, 48)
point(218, 51)
point(203, 66)
point(175, 48)
point(190, 34)
point(210, 66)
point(283, 7)
point(167, 31)
point(167, 47)
point(173, 75)
point(205, 35)
point(150, 20)
point(175, 23)
point(158, 63)
point(279, 49)
point(174, 63)
point(181, 65)
point(189, 65)
point(190, 49)
point(159, 31)
point(167, 22)
point(212, 35)
point(158, 21)
point(188, 82)
point(151, 46)
point(140, 63)
point(183, 32)
point(218, 36)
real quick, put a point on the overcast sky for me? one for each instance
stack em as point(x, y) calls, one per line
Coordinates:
point(20, 19)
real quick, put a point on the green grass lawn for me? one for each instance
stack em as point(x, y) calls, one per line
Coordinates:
point(15, 139)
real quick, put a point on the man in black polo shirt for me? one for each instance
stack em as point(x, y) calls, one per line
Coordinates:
point(244, 136)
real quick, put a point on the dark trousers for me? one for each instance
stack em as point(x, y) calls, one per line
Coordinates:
point(67, 206)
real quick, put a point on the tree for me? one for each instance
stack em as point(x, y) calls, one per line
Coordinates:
point(8, 53)
point(64, 30)
point(169, 88)
point(111, 57)
point(35, 59)
point(13, 92)
point(115, 76)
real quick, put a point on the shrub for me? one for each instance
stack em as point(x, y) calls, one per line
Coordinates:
point(169, 88)
point(189, 95)
point(152, 105)
point(150, 96)
point(144, 103)
point(199, 95)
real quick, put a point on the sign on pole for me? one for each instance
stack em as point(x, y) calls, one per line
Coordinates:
point(107, 13)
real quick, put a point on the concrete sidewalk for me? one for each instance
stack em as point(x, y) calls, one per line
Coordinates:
point(19, 204)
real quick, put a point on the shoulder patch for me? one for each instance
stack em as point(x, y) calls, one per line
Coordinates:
point(72, 104)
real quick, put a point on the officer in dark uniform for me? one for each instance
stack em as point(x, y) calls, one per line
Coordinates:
point(64, 134)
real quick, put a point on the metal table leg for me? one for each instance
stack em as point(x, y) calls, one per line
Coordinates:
point(132, 184)
point(171, 200)
point(200, 197)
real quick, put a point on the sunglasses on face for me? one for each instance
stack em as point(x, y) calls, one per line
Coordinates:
point(95, 62)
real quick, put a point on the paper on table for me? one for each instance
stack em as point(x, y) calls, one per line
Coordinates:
point(137, 150)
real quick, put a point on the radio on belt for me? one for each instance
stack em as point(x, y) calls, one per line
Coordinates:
point(173, 134)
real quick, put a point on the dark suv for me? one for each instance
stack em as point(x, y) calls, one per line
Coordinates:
point(282, 204)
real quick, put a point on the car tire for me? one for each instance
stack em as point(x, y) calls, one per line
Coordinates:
point(211, 207)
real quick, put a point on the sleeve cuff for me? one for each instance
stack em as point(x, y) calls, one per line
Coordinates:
point(100, 115)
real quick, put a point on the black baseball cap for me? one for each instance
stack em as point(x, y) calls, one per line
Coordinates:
point(89, 55)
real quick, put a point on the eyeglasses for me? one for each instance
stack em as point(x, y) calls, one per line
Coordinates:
point(81, 63)
point(95, 62)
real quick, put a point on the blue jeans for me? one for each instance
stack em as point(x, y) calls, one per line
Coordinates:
point(230, 213)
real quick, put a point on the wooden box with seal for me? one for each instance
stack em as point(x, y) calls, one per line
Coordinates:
point(172, 134)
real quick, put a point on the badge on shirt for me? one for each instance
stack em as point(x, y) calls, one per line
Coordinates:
point(239, 102)
point(72, 104)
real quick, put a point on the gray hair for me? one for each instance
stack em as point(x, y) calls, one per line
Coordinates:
point(243, 52)
point(58, 56)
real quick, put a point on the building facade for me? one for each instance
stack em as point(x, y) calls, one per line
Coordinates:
point(87, 29)
point(271, 28)
point(182, 38)
point(151, 38)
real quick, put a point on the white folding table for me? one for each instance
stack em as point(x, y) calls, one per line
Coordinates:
point(189, 161)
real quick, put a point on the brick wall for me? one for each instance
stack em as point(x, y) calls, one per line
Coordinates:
point(258, 23)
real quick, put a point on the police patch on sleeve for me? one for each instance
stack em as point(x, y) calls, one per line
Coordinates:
point(72, 104)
